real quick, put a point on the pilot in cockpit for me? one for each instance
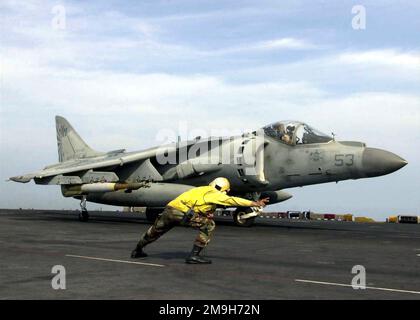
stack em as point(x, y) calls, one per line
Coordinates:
point(282, 134)
point(295, 133)
point(289, 134)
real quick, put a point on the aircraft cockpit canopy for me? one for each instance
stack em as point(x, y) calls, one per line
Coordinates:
point(295, 133)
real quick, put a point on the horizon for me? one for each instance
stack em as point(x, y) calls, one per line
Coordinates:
point(122, 73)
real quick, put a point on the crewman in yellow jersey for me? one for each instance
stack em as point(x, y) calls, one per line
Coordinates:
point(194, 208)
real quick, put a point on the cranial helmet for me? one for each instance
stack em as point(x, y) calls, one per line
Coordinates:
point(221, 184)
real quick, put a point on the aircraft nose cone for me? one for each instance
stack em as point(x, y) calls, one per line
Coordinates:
point(377, 162)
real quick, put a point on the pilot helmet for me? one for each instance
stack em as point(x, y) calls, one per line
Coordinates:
point(291, 128)
point(221, 184)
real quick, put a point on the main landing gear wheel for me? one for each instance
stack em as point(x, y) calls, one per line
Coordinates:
point(84, 214)
point(243, 222)
point(152, 213)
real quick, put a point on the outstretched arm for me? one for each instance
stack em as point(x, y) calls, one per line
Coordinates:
point(220, 198)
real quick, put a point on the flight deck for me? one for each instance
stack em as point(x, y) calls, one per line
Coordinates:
point(275, 259)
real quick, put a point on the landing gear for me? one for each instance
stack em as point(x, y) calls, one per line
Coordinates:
point(152, 213)
point(239, 221)
point(84, 214)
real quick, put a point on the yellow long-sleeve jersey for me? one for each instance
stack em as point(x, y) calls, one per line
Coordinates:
point(205, 199)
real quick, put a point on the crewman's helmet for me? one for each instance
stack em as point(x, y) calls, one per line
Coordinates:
point(221, 184)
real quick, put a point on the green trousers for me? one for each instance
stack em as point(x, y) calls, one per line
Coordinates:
point(170, 218)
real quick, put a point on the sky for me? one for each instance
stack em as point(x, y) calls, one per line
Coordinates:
point(121, 72)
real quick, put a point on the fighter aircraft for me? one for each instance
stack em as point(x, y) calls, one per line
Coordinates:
point(258, 164)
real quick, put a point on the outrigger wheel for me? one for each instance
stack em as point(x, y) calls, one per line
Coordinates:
point(84, 214)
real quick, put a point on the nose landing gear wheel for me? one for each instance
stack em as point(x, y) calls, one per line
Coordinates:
point(243, 222)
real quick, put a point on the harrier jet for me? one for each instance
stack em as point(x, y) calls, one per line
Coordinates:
point(262, 163)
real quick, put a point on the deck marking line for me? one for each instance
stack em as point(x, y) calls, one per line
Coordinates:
point(113, 260)
point(348, 285)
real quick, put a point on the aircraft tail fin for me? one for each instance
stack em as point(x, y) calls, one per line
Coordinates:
point(70, 144)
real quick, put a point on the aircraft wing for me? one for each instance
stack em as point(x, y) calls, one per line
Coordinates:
point(79, 163)
point(85, 164)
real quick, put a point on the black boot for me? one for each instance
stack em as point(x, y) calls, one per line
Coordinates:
point(138, 252)
point(195, 258)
